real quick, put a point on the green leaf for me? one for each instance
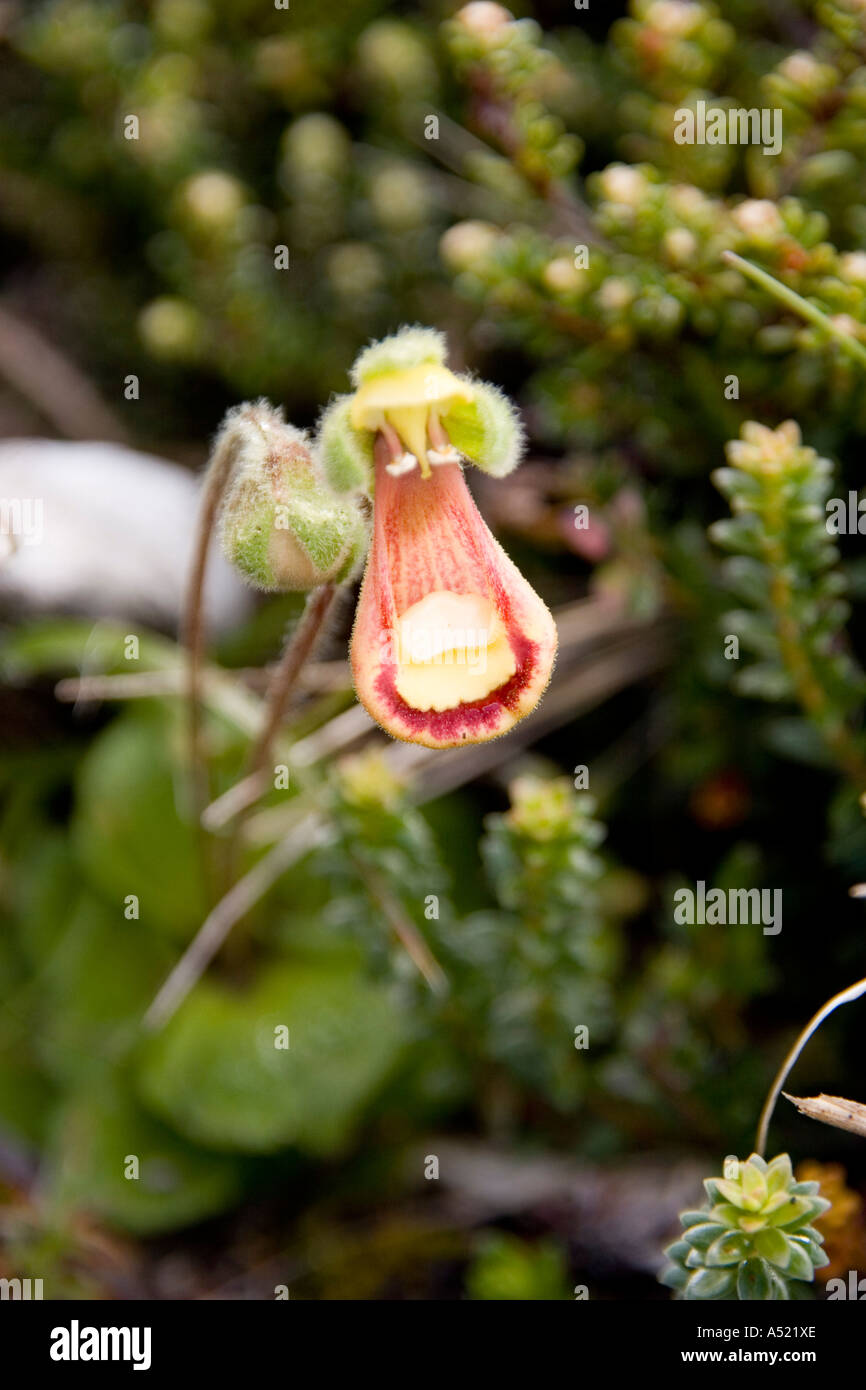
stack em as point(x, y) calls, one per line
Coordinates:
point(754, 1185)
point(72, 646)
point(800, 1265)
point(776, 1201)
point(693, 1218)
point(772, 1246)
point(709, 1283)
point(726, 1214)
point(674, 1277)
point(94, 988)
point(678, 1251)
point(127, 828)
point(753, 1282)
point(100, 1131)
point(729, 1249)
point(701, 1237)
point(217, 1075)
point(732, 1192)
point(791, 1214)
point(765, 681)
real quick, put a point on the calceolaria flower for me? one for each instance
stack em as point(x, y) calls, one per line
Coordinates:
point(281, 524)
point(451, 645)
point(754, 1237)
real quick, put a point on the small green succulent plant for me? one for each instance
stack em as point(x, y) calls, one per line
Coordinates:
point(753, 1239)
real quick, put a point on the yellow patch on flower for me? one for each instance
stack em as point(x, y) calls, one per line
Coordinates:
point(452, 648)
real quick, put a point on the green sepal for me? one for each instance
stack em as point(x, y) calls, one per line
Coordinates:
point(487, 430)
point(408, 347)
point(346, 453)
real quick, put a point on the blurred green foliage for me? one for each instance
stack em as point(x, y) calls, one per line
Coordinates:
point(506, 1268)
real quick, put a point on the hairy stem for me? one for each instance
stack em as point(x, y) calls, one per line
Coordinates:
point(243, 796)
point(285, 676)
point(193, 629)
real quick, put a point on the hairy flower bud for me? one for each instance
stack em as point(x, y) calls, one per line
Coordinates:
point(281, 523)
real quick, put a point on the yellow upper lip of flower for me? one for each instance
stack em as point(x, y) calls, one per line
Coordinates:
point(409, 403)
point(425, 385)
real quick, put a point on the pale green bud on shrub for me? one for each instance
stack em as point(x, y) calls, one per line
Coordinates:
point(467, 243)
point(317, 145)
point(172, 329)
point(212, 201)
point(392, 55)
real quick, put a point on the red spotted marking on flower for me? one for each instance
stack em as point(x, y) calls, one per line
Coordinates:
point(429, 537)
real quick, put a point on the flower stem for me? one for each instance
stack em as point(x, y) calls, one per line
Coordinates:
point(240, 800)
point(193, 628)
point(285, 676)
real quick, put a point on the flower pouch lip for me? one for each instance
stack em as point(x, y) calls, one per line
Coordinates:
point(479, 653)
point(450, 645)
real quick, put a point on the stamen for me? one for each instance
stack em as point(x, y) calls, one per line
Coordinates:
point(393, 440)
point(404, 464)
point(438, 437)
point(449, 455)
